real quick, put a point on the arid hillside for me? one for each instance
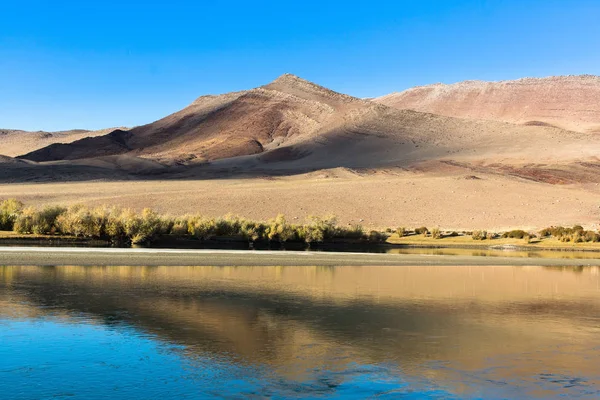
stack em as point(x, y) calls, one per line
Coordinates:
point(285, 120)
point(297, 148)
point(14, 142)
point(294, 126)
point(569, 102)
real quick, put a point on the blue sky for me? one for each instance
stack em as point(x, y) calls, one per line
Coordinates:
point(95, 64)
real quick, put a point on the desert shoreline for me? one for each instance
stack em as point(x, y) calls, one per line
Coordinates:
point(243, 245)
point(342, 246)
point(28, 256)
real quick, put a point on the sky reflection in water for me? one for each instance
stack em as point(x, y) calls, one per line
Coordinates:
point(344, 332)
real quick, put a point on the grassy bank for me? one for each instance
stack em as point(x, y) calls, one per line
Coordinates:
point(125, 226)
point(466, 241)
point(110, 225)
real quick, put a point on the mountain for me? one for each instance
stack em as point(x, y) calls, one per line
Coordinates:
point(273, 120)
point(293, 126)
point(14, 142)
point(300, 149)
point(569, 102)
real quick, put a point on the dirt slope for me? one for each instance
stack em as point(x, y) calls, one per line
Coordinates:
point(14, 142)
point(292, 125)
point(283, 114)
point(569, 102)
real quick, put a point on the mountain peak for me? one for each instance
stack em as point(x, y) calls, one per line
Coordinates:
point(292, 84)
point(290, 79)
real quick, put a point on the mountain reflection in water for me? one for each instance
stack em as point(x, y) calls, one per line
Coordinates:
point(481, 332)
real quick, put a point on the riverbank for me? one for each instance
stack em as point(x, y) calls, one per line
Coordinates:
point(371, 198)
point(23, 256)
point(9, 238)
point(467, 242)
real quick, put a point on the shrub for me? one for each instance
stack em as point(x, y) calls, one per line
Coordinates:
point(559, 232)
point(436, 233)
point(200, 227)
point(80, 221)
point(590, 236)
point(318, 230)
point(140, 228)
point(376, 236)
point(516, 234)
point(490, 235)
point(24, 222)
point(479, 235)
point(253, 231)
point(578, 229)
point(401, 231)
point(311, 233)
point(422, 231)
point(179, 226)
point(38, 222)
point(353, 232)
point(279, 230)
point(9, 212)
point(545, 232)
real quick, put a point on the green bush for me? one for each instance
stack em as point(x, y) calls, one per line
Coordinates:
point(253, 231)
point(9, 212)
point(40, 222)
point(279, 230)
point(78, 220)
point(140, 228)
point(129, 226)
point(311, 233)
point(179, 226)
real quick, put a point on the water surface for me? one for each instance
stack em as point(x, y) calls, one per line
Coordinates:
point(284, 332)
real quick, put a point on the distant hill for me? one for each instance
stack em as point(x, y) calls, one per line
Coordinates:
point(14, 142)
point(569, 102)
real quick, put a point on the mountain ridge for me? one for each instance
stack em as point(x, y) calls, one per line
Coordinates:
point(291, 125)
point(569, 101)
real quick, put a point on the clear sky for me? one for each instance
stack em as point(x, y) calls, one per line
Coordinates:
point(95, 64)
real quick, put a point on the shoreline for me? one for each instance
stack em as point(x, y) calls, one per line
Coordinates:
point(62, 256)
point(231, 243)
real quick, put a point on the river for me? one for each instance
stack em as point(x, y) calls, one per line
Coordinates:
point(193, 332)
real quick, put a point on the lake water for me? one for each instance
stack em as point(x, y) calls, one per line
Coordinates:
point(298, 332)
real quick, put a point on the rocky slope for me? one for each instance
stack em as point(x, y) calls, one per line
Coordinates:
point(14, 142)
point(569, 102)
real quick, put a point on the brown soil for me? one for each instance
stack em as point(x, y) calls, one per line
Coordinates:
point(379, 200)
point(570, 102)
point(14, 142)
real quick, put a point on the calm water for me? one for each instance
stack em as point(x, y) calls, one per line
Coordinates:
point(281, 332)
